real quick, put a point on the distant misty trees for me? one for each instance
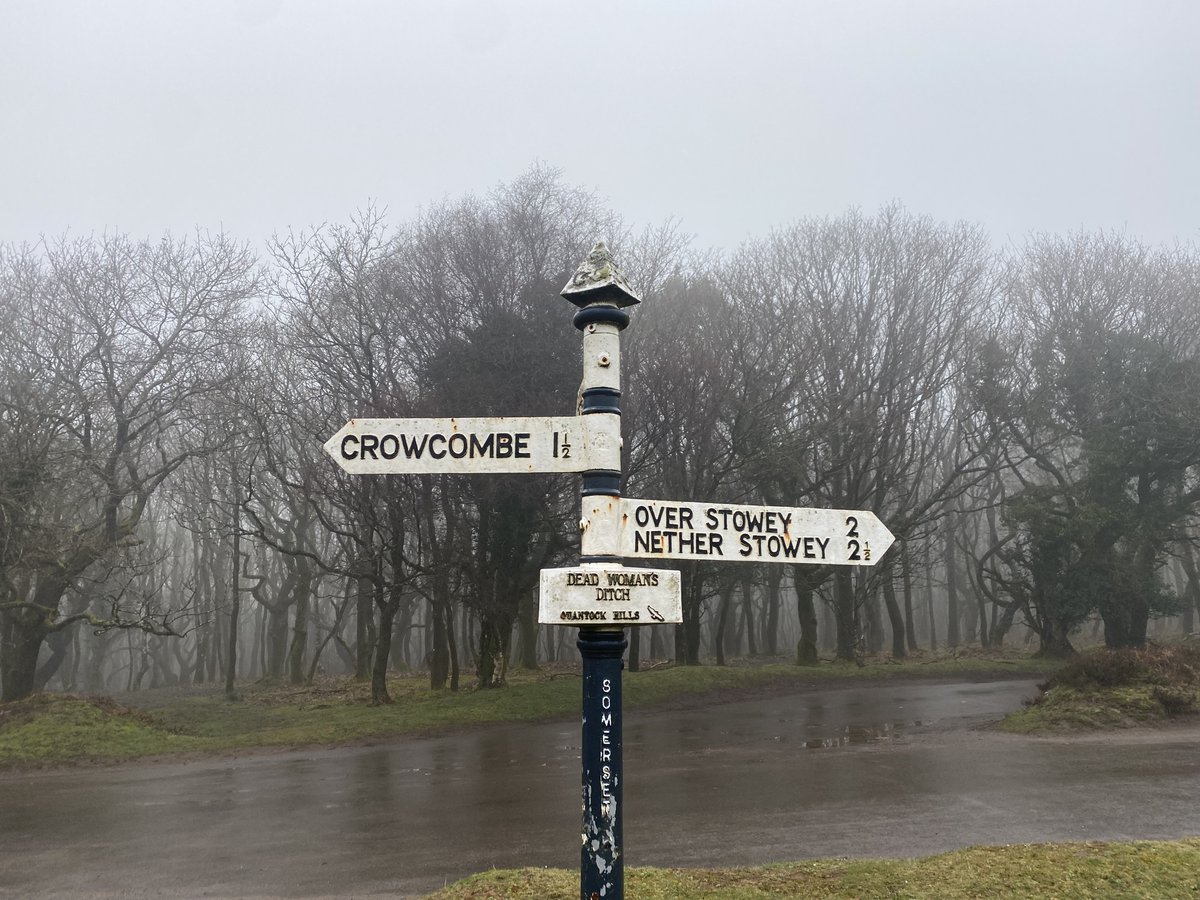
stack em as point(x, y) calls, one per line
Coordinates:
point(1089, 390)
point(1027, 423)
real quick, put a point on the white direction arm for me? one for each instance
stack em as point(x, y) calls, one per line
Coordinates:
point(673, 529)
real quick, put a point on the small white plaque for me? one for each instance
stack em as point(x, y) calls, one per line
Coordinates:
point(610, 595)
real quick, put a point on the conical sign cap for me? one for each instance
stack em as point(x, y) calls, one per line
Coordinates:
point(598, 280)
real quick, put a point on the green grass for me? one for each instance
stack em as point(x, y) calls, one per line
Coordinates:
point(1066, 709)
point(1140, 870)
point(1115, 689)
point(48, 729)
point(55, 729)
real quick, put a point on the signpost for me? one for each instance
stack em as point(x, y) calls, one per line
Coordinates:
point(601, 595)
point(602, 295)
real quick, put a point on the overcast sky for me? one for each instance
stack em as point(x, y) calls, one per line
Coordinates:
point(734, 117)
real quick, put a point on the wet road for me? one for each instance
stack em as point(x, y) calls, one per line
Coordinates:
point(871, 771)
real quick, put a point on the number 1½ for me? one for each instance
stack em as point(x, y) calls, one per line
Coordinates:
point(564, 446)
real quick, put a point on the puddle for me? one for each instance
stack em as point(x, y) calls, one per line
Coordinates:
point(853, 735)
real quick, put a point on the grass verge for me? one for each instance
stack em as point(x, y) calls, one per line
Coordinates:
point(55, 729)
point(1115, 689)
point(1145, 870)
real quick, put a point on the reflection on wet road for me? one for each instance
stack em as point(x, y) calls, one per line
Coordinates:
point(875, 771)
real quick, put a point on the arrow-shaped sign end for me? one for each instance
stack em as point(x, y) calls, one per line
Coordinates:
point(333, 445)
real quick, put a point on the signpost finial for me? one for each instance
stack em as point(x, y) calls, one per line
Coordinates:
point(598, 280)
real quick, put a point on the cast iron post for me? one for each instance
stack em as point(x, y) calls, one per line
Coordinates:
point(601, 293)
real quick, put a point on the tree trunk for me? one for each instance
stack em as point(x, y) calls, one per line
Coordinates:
point(970, 616)
point(453, 642)
point(364, 628)
point(691, 638)
point(99, 654)
point(144, 662)
point(301, 600)
point(985, 638)
point(1055, 641)
point(726, 599)
point(490, 667)
point(402, 632)
point(220, 619)
point(806, 647)
point(59, 644)
point(952, 633)
point(771, 627)
point(1192, 594)
point(933, 642)
point(277, 640)
point(874, 629)
point(236, 606)
point(635, 649)
point(72, 677)
point(383, 650)
point(528, 626)
point(1004, 623)
point(899, 650)
point(439, 656)
point(687, 635)
point(910, 628)
point(1126, 613)
point(656, 648)
point(1139, 607)
point(203, 636)
point(21, 636)
point(845, 615)
point(748, 612)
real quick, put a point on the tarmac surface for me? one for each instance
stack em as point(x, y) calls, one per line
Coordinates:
point(900, 769)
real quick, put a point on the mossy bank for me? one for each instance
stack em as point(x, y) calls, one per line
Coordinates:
point(1102, 689)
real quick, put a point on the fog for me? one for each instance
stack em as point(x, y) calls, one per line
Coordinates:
point(256, 116)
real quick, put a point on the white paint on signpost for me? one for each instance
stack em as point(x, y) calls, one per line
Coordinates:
point(472, 446)
point(609, 595)
point(716, 532)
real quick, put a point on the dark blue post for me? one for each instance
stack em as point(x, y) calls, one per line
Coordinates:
point(601, 293)
point(602, 863)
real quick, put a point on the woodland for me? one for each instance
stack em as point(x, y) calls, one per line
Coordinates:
point(1025, 420)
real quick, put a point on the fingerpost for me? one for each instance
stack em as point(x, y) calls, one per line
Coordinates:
point(602, 295)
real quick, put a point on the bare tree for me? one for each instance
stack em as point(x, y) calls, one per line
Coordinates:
point(112, 344)
point(880, 314)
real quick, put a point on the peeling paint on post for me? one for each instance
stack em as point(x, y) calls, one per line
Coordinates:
point(602, 860)
point(601, 293)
